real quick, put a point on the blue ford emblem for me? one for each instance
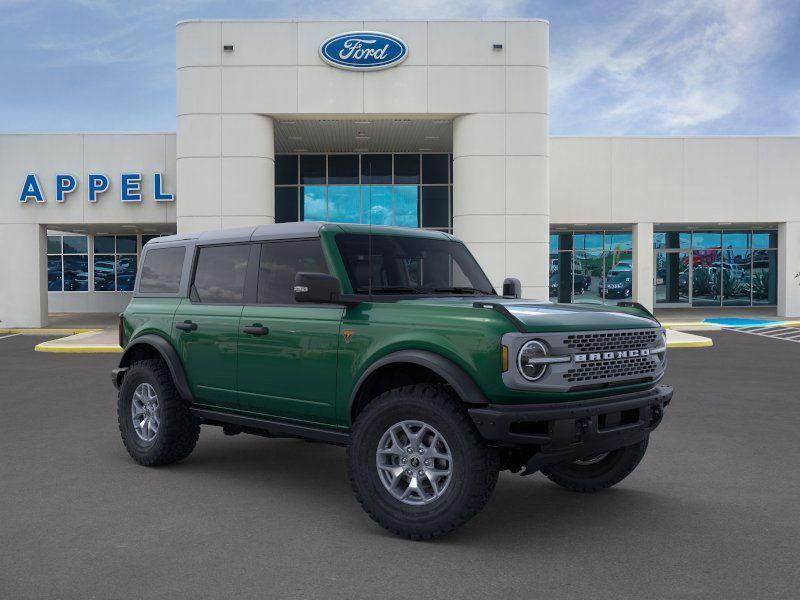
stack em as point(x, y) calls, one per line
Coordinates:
point(363, 50)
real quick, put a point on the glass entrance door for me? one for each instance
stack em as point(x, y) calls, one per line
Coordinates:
point(673, 279)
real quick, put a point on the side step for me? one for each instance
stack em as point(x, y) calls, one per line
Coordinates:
point(273, 428)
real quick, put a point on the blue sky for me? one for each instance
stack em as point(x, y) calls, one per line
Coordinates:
point(617, 67)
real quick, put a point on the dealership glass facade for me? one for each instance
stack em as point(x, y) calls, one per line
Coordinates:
point(406, 190)
point(597, 266)
point(113, 260)
point(716, 268)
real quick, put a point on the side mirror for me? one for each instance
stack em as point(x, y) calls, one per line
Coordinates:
point(512, 287)
point(319, 288)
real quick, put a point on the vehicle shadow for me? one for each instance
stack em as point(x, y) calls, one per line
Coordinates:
point(312, 476)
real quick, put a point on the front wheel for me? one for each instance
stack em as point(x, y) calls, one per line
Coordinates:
point(598, 472)
point(417, 464)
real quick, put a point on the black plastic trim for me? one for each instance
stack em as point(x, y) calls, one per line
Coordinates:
point(274, 428)
point(494, 422)
point(454, 375)
point(501, 308)
point(170, 356)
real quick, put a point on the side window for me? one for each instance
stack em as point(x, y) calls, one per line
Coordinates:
point(220, 273)
point(161, 271)
point(280, 262)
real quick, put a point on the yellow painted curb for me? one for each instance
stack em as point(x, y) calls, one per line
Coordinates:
point(704, 343)
point(697, 326)
point(46, 331)
point(88, 349)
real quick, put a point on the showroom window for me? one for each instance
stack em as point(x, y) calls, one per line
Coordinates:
point(114, 263)
point(67, 263)
point(407, 190)
point(716, 267)
point(598, 266)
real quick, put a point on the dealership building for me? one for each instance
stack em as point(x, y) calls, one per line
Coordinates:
point(434, 124)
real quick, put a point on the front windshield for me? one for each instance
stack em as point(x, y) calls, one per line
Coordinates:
point(410, 265)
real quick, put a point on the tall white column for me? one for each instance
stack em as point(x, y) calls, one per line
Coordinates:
point(788, 266)
point(23, 271)
point(501, 202)
point(226, 171)
point(642, 276)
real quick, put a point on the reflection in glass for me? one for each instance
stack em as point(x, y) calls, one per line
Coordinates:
point(735, 277)
point(672, 277)
point(54, 279)
point(343, 204)
point(312, 168)
point(618, 282)
point(554, 271)
point(434, 168)
point(286, 205)
point(706, 239)
point(618, 241)
point(434, 206)
point(104, 244)
point(376, 204)
point(285, 169)
point(706, 277)
point(126, 273)
point(54, 244)
point(765, 277)
point(343, 168)
point(75, 244)
point(126, 244)
point(406, 205)
point(736, 239)
point(588, 241)
point(765, 239)
point(406, 168)
point(376, 168)
point(314, 203)
point(76, 273)
point(103, 272)
point(672, 239)
point(587, 274)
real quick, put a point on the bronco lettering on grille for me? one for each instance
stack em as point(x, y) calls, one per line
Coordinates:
point(594, 356)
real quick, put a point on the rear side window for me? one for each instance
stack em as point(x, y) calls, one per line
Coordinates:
point(280, 262)
point(220, 273)
point(161, 271)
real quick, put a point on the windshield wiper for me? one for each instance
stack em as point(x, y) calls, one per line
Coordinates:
point(391, 289)
point(462, 290)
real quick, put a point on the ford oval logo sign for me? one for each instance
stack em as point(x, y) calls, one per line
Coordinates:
point(363, 50)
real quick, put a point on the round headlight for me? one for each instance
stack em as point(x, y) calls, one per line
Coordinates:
point(527, 363)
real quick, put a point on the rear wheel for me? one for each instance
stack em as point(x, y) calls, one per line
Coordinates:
point(598, 472)
point(156, 425)
point(417, 464)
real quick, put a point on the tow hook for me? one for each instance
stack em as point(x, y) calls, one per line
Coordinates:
point(581, 427)
point(656, 414)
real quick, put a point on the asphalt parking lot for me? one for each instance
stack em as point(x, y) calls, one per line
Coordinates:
point(712, 512)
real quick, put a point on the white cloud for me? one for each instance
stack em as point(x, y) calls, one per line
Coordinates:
point(669, 67)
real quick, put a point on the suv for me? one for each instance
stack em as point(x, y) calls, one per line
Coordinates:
point(391, 342)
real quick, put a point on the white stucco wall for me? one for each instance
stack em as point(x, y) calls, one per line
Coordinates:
point(497, 98)
point(23, 263)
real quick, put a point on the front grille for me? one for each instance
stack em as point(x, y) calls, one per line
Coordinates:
point(612, 340)
point(618, 368)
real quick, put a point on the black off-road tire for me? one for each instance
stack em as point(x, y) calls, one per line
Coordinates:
point(612, 469)
point(178, 429)
point(475, 465)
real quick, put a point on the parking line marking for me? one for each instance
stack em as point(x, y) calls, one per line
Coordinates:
point(789, 334)
point(2, 337)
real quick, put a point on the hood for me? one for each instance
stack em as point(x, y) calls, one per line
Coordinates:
point(536, 316)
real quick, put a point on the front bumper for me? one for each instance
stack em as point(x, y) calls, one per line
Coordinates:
point(569, 431)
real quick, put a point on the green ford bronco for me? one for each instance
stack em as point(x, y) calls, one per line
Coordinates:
point(391, 342)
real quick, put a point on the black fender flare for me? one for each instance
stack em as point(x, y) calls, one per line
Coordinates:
point(460, 381)
point(167, 352)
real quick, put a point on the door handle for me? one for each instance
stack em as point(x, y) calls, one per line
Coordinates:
point(256, 329)
point(186, 326)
